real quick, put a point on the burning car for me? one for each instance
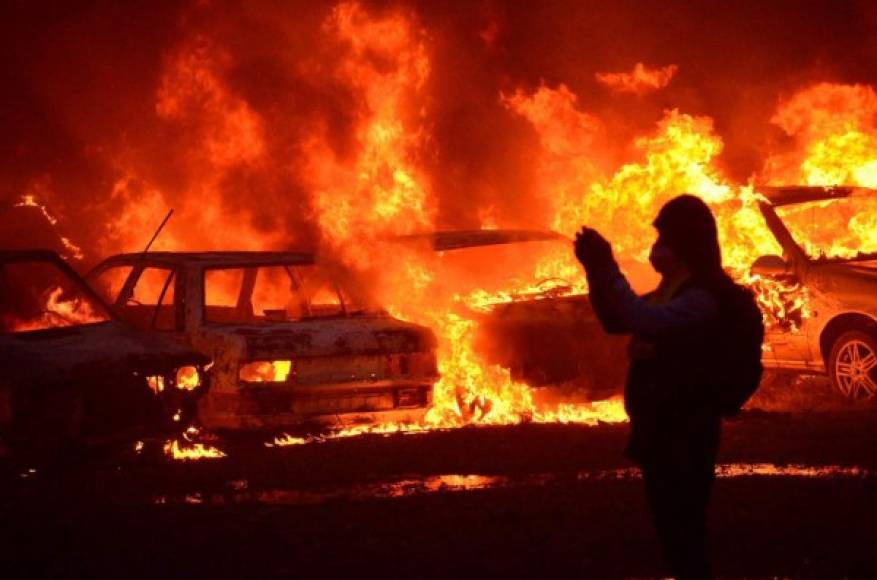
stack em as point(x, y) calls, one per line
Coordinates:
point(820, 308)
point(548, 339)
point(73, 372)
point(820, 311)
point(548, 335)
point(291, 346)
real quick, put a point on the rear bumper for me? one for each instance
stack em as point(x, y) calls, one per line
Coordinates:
point(286, 406)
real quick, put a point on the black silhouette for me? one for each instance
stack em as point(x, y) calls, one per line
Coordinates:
point(685, 373)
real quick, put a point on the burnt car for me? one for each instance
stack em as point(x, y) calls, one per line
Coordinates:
point(73, 372)
point(548, 339)
point(549, 336)
point(291, 347)
point(828, 305)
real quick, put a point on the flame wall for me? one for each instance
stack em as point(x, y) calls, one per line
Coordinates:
point(246, 114)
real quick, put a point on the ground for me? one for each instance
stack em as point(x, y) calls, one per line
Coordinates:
point(521, 501)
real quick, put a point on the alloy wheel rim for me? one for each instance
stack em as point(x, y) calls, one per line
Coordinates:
point(855, 370)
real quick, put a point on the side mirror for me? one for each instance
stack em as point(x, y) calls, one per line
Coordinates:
point(770, 266)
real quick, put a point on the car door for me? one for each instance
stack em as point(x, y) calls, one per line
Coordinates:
point(786, 324)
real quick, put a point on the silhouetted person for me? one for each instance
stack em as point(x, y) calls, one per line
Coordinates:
point(670, 393)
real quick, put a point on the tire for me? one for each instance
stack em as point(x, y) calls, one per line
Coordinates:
point(852, 365)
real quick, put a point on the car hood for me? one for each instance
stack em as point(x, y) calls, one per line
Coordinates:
point(81, 352)
point(328, 336)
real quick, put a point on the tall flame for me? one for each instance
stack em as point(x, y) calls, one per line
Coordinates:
point(382, 189)
point(834, 142)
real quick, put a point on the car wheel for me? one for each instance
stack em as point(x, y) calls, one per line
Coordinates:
point(852, 365)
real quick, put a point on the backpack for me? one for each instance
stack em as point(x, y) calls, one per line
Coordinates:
point(741, 334)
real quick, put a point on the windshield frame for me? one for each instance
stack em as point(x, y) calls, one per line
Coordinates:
point(49, 257)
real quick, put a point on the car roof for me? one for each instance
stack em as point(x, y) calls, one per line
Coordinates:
point(35, 254)
point(214, 259)
point(440, 241)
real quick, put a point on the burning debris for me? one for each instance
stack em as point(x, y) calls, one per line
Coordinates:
point(189, 448)
point(191, 451)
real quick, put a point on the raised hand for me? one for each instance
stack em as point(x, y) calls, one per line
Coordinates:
point(592, 249)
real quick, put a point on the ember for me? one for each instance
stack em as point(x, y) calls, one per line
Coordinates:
point(191, 451)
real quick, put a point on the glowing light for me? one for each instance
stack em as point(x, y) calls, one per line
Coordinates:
point(188, 378)
point(60, 312)
point(191, 451)
point(276, 371)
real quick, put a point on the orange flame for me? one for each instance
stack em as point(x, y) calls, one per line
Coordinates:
point(276, 371)
point(834, 132)
point(191, 451)
point(60, 313)
point(30, 200)
point(834, 128)
point(383, 189)
point(640, 81)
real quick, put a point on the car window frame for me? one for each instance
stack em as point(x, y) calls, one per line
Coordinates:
point(288, 267)
point(137, 267)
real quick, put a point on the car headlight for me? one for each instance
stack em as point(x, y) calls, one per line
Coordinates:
point(188, 378)
point(185, 378)
point(156, 383)
point(265, 371)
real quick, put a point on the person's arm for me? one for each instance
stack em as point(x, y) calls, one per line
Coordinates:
point(600, 293)
point(621, 310)
point(691, 309)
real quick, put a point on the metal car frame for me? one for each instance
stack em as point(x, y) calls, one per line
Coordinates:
point(270, 403)
point(841, 293)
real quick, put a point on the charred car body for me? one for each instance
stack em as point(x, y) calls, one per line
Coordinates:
point(289, 345)
point(834, 330)
point(73, 372)
point(549, 337)
point(820, 313)
point(550, 340)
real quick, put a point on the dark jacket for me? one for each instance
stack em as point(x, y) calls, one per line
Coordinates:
point(669, 395)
